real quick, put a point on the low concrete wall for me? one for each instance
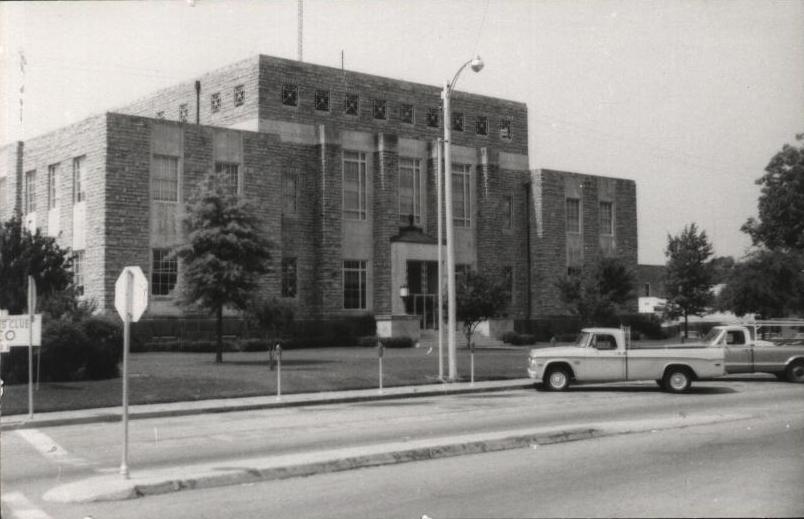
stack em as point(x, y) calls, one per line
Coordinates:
point(495, 328)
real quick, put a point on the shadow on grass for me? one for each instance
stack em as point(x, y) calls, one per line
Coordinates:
point(265, 363)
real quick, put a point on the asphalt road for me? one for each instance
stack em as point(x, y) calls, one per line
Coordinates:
point(34, 461)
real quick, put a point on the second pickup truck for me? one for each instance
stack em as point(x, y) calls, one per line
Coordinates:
point(605, 355)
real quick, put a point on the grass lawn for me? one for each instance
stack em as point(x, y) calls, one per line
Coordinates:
point(174, 377)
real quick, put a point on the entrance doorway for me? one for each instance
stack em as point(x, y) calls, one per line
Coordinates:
point(422, 280)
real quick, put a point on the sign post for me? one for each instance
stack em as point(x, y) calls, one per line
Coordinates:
point(31, 311)
point(130, 301)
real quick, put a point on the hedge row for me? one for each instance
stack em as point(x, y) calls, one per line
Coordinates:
point(86, 350)
point(564, 329)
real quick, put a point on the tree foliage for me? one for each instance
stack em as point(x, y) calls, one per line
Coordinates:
point(23, 253)
point(766, 283)
point(598, 294)
point(273, 317)
point(781, 203)
point(225, 253)
point(688, 274)
point(477, 298)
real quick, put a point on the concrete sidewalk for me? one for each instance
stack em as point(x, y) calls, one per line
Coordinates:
point(112, 487)
point(113, 414)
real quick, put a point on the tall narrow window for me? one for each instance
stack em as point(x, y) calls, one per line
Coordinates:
point(52, 186)
point(165, 178)
point(290, 95)
point(231, 175)
point(380, 109)
point(29, 201)
point(457, 121)
point(321, 100)
point(409, 190)
point(289, 192)
point(79, 184)
point(606, 218)
point(505, 129)
point(354, 284)
point(78, 271)
point(432, 117)
point(351, 104)
point(508, 211)
point(406, 113)
point(482, 125)
point(184, 111)
point(573, 215)
point(288, 277)
point(461, 195)
point(508, 279)
point(215, 102)
point(354, 185)
point(164, 272)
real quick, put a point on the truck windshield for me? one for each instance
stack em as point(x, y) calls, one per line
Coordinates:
point(582, 340)
point(712, 337)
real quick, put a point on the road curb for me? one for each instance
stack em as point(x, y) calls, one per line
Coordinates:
point(88, 416)
point(93, 490)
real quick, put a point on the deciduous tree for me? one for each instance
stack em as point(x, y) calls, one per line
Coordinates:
point(688, 275)
point(597, 294)
point(225, 251)
point(479, 297)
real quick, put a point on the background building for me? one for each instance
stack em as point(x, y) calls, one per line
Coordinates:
point(341, 167)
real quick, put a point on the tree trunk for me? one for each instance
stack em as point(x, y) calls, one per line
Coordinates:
point(686, 326)
point(219, 333)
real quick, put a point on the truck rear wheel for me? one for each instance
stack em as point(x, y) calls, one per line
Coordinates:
point(795, 372)
point(556, 379)
point(676, 380)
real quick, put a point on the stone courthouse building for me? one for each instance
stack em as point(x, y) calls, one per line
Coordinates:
point(337, 164)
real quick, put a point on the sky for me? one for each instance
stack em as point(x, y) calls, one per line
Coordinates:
point(690, 99)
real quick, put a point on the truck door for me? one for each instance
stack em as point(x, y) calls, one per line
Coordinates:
point(739, 352)
point(605, 360)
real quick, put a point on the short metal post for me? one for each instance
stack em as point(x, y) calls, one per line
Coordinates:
point(380, 349)
point(471, 364)
point(278, 371)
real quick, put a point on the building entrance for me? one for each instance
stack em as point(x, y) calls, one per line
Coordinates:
point(422, 280)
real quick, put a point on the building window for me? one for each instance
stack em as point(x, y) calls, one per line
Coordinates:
point(231, 175)
point(406, 113)
point(288, 277)
point(52, 186)
point(215, 102)
point(79, 183)
point(78, 271)
point(410, 190)
point(573, 215)
point(482, 125)
point(239, 95)
point(354, 185)
point(646, 289)
point(607, 218)
point(508, 281)
point(164, 272)
point(574, 271)
point(457, 121)
point(354, 284)
point(351, 104)
point(508, 211)
point(505, 129)
point(432, 117)
point(184, 112)
point(290, 95)
point(461, 195)
point(165, 179)
point(290, 182)
point(322, 100)
point(29, 201)
point(380, 109)
point(461, 271)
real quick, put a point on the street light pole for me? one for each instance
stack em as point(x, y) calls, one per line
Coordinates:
point(476, 65)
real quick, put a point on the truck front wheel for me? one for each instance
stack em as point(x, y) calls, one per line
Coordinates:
point(676, 380)
point(795, 372)
point(556, 379)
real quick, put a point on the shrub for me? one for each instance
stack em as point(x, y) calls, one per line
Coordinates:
point(105, 342)
point(65, 351)
point(397, 342)
point(517, 339)
point(368, 341)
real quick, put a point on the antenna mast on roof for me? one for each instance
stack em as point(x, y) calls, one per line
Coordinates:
point(300, 32)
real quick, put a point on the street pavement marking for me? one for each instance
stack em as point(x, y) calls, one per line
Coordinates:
point(48, 448)
point(22, 508)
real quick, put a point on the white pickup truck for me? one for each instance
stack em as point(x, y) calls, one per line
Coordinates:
point(746, 354)
point(605, 355)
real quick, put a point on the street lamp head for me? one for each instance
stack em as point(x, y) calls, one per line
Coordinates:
point(477, 64)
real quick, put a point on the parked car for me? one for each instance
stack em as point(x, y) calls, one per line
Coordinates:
point(746, 354)
point(606, 355)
